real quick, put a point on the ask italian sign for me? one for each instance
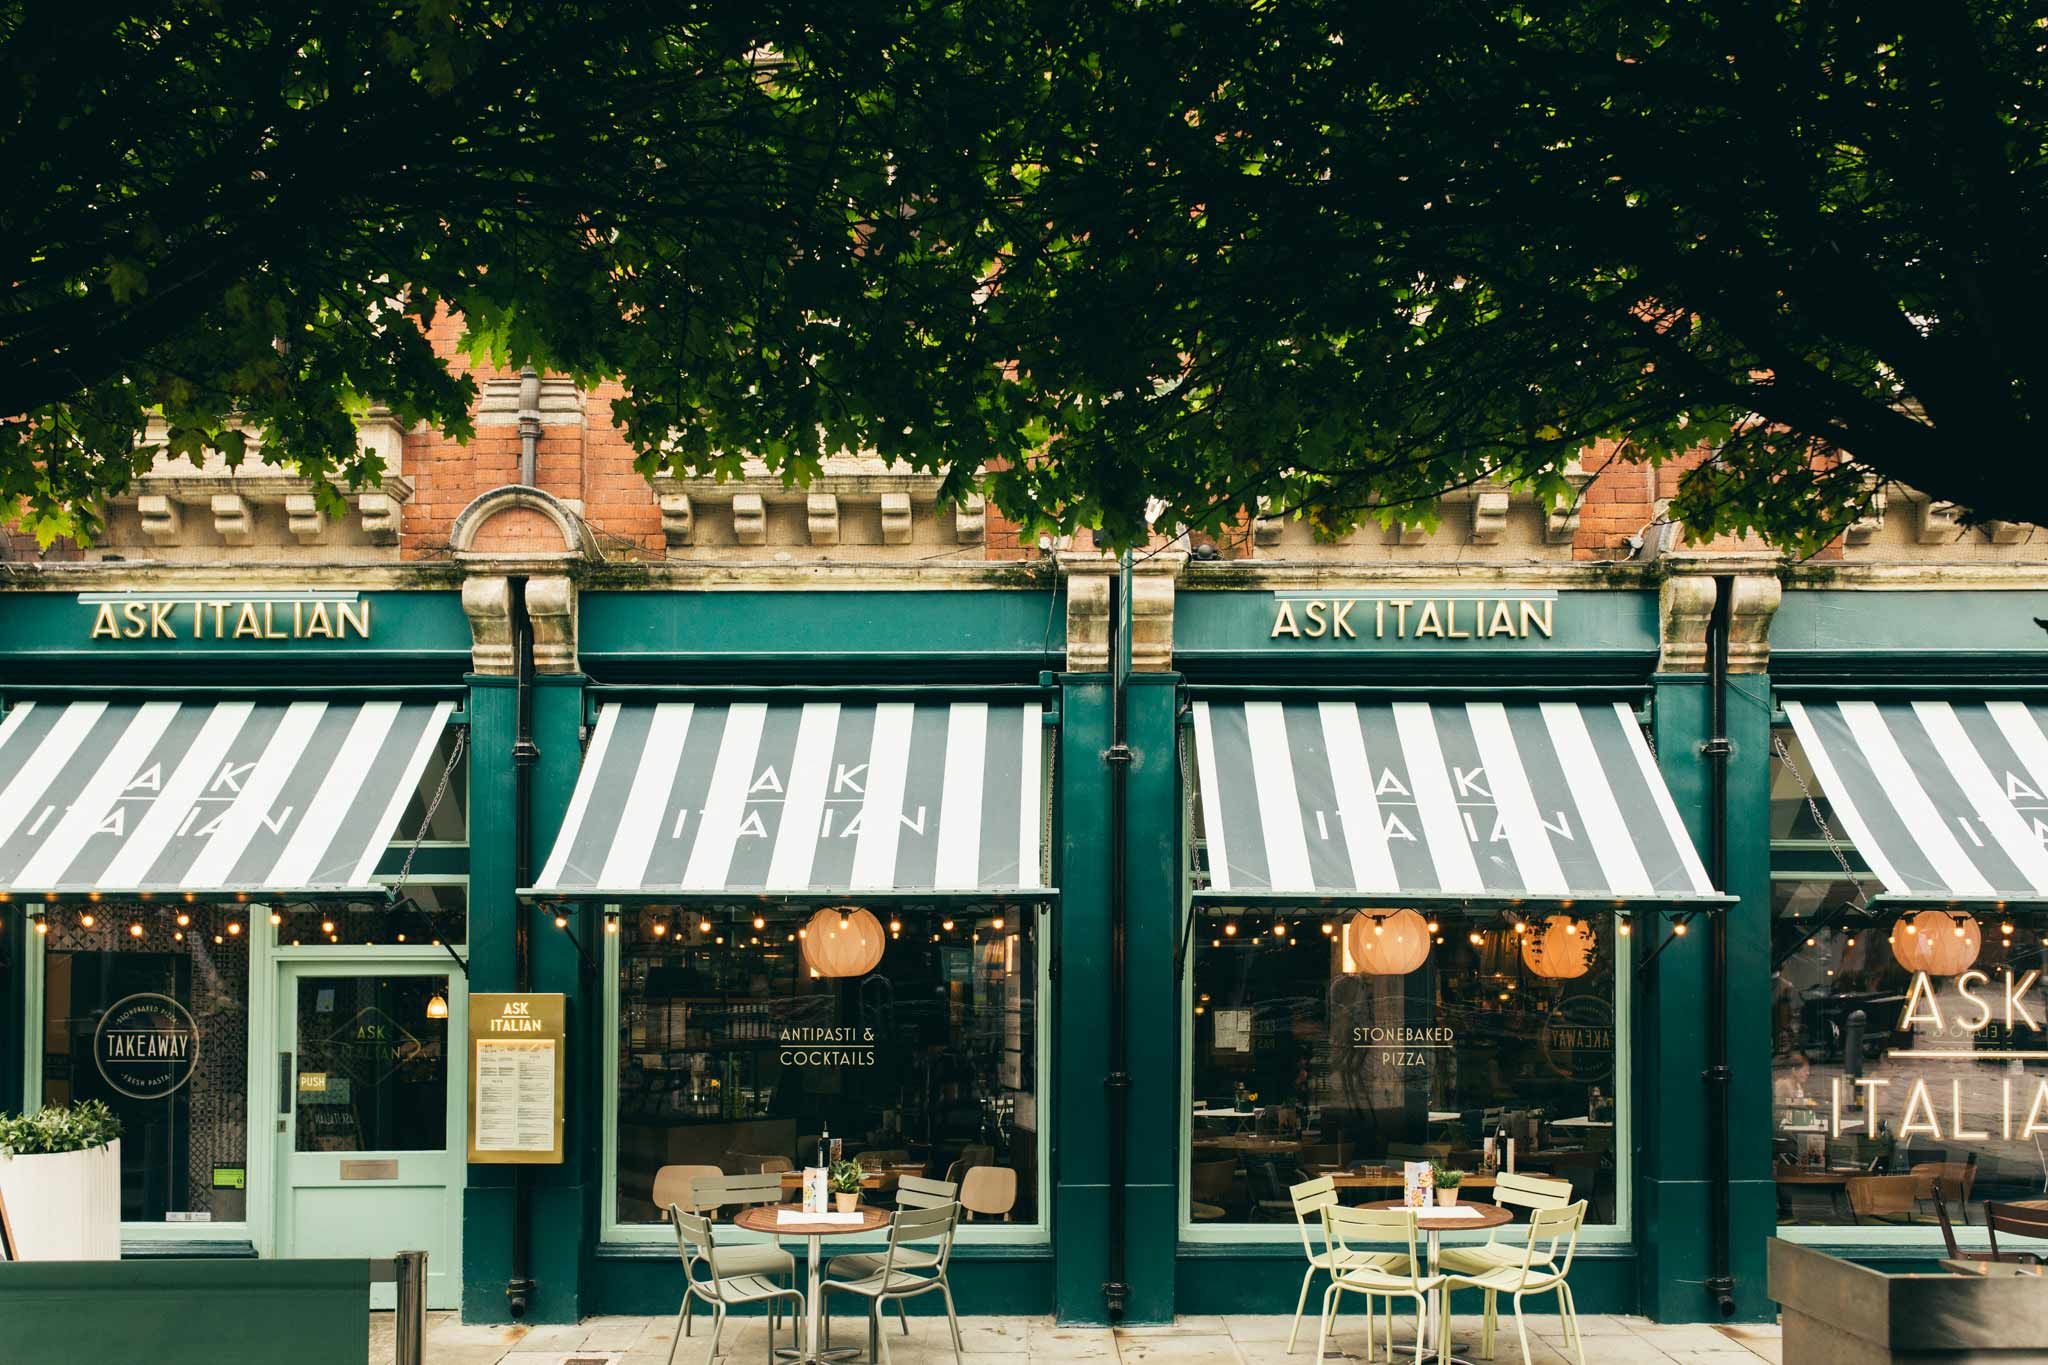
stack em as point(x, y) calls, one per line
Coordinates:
point(1335, 618)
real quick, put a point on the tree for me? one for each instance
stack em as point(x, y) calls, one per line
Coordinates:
point(1091, 253)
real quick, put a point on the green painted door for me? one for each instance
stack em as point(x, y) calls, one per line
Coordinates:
point(369, 1129)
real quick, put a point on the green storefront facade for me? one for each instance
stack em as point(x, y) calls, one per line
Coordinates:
point(1108, 1002)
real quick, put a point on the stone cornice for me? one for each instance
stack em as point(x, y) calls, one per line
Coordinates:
point(1256, 575)
point(116, 574)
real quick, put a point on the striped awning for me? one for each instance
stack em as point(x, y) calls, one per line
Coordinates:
point(163, 796)
point(688, 800)
point(1944, 800)
point(1478, 802)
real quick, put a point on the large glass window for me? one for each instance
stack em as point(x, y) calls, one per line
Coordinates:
point(909, 1036)
point(1348, 1045)
point(147, 1008)
point(1909, 1059)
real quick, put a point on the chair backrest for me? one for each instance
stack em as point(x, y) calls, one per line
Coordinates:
point(922, 1192)
point(717, 1191)
point(675, 1185)
point(1518, 1190)
point(776, 1165)
point(693, 1240)
point(1951, 1179)
point(1352, 1229)
point(989, 1189)
point(922, 1225)
point(1210, 1181)
point(874, 1161)
point(1310, 1198)
point(2015, 1220)
point(1269, 1179)
point(1873, 1196)
point(1547, 1228)
point(1948, 1231)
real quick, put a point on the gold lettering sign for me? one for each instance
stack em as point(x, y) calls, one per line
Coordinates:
point(1413, 618)
point(232, 618)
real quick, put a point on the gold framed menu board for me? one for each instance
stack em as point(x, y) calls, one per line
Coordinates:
point(516, 1046)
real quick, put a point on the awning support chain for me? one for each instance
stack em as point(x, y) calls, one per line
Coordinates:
point(397, 890)
point(1862, 902)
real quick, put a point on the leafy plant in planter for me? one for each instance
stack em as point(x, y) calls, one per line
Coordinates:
point(59, 1128)
point(60, 1173)
point(1446, 1179)
point(845, 1178)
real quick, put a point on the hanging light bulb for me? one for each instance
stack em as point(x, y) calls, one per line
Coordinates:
point(1279, 930)
point(1679, 929)
point(135, 930)
point(184, 920)
point(1622, 927)
point(947, 925)
point(996, 923)
point(760, 922)
point(1475, 938)
point(326, 926)
point(1230, 929)
point(895, 925)
point(437, 1006)
point(275, 919)
point(1329, 929)
point(86, 919)
point(611, 924)
point(1434, 927)
point(660, 929)
point(561, 921)
point(42, 925)
point(234, 928)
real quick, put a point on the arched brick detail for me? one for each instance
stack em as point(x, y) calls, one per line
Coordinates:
point(520, 523)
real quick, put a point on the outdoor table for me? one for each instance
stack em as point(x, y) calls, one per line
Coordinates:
point(1432, 1223)
point(767, 1218)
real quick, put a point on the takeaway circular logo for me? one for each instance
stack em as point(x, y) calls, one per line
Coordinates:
point(146, 1046)
point(1578, 1039)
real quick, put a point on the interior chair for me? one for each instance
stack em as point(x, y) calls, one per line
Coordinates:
point(722, 1285)
point(1951, 1180)
point(1948, 1236)
point(1352, 1232)
point(990, 1191)
point(1311, 1198)
point(1505, 1246)
point(1886, 1198)
point(892, 1156)
point(1212, 1187)
point(1269, 1179)
point(1546, 1258)
point(709, 1194)
point(895, 1280)
point(672, 1185)
point(2015, 1220)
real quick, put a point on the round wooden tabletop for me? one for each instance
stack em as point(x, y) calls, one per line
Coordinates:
point(1429, 1220)
point(768, 1218)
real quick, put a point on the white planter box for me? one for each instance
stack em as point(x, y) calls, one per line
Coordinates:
point(65, 1206)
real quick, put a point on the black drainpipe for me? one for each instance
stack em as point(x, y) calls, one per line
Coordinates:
point(1115, 1291)
point(519, 1289)
point(1720, 1284)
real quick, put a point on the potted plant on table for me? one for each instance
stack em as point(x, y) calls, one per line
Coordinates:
point(845, 1178)
point(60, 1176)
point(1446, 1179)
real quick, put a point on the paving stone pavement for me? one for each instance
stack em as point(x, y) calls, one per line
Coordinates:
point(1609, 1340)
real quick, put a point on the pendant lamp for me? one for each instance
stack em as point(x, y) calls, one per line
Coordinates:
point(1387, 942)
point(1562, 950)
point(1938, 942)
point(843, 942)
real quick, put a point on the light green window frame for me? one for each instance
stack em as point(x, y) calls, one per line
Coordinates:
point(611, 1230)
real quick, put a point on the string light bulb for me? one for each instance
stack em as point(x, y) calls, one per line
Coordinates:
point(561, 921)
point(86, 919)
point(275, 919)
point(1329, 929)
point(184, 920)
point(135, 930)
point(760, 922)
point(660, 929)
point(327, 926)
point(996, 923)
point(1230, 929)
point(235, 928)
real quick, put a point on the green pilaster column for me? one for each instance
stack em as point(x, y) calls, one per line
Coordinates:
point(1673, 1205)
point(563, 1222)
point(1080, 990)
point(1152, 884)
point(1753, 1196)
point(493, 835)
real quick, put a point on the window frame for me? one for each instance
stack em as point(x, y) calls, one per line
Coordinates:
point(613, 1233)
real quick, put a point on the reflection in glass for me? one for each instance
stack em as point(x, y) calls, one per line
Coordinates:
point(372, 1071)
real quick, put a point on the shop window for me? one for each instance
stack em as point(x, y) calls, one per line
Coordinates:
point(147, 1008)
point(1349, 1045)
point(738, 1046)
point(1909, 1058)
point(427, 913)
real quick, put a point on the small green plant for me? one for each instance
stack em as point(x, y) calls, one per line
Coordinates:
point(845, 1177)
point(58, 1128)
point(1446, 1177)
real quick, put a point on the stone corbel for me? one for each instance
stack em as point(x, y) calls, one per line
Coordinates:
point(233, 521)
point(1091, 579)
point(2009, 532)
point(1685, 607)
point(1865, 527)
point(1938, 523)
point(1088, 588)
point(895, 518)
point(1753, 601)
point(1489, 516)
point(163, 521)
point(1561, 524)
point(970, 520)
point(749, 519)
point(821, 514)
point(380, 434)
point(304, 519)
point(487, 602)
point(380, 514)
point(1152, 591)
point(678, 520)
point(551, 606)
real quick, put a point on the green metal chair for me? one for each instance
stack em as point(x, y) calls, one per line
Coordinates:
point(721, 1287)
point(1351, 1232)
point(891, 1281)
point(1311, 1198)
point(1541, 1270)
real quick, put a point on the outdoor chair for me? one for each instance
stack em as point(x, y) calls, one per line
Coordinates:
point(1949, 1179)
point(895, 1280)
point(1352, 1233)
point(709, 1194)
point(1948, 1237)
point(723, 1286)
point(912, 1192)
point(1505, 1246)
point(1311, 1198)
point(2016, 1220)
point(1541, 1270)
